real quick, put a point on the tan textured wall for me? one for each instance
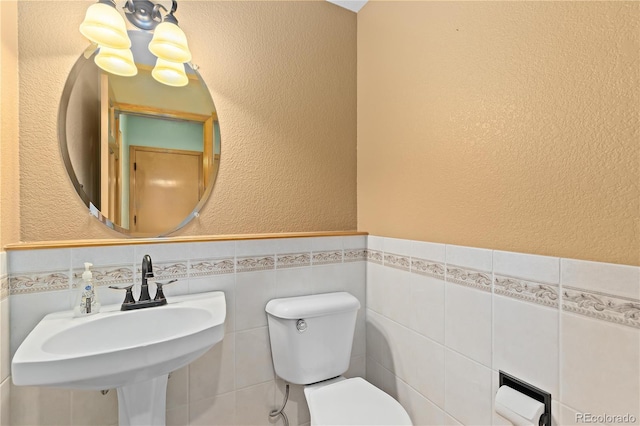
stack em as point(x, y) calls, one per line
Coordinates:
point(505, 125)
point(9, 167)
point(283, 78)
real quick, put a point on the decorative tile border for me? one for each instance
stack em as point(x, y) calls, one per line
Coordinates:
point(105, 275)
point(468, 277)
point(326, 257)
point(374, 256)
point(166, 270)
point(293, 260)
point(606, 307)
point(207, 267)
point(397, 261)
point(38, 282)
point(255, 263)
point(427, 267)
point(355, 255)
point(540, 293)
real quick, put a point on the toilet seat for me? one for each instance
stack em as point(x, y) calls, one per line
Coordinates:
point(353, 402)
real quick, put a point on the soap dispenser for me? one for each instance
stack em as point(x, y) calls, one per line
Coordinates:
point(87, 301)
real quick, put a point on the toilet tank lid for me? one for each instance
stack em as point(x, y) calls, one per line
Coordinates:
point(312, 306)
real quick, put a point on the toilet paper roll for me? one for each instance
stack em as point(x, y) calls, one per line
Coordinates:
point(517, 407)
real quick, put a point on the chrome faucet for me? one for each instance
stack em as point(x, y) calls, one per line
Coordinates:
point(147, 272)
point(144, 301)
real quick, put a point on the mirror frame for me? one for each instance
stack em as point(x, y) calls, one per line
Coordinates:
point(66, 158)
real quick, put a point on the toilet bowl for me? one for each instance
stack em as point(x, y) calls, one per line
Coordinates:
point(311, 339)
point(352, 402)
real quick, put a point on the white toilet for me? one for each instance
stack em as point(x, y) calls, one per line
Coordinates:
point(311, 339)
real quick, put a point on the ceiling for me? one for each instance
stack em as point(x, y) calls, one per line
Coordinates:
point(352, 5)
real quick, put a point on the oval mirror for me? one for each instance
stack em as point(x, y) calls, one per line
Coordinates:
point(143, 156)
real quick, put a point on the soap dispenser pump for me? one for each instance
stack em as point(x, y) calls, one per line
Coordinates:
point(87, 302)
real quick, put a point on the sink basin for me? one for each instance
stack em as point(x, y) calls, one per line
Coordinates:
point(116, 349)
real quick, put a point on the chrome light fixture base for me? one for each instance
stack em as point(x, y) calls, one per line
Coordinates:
point(140, 13)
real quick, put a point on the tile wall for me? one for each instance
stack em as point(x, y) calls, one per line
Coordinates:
point(5, 380)
point(234, 383)
point(442, 320)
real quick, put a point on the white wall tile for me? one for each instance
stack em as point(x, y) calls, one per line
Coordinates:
point(177, 417)
point(5, 348)
point(255, 247)
point(469, 257)
point(599, 366)
point(399, 341)
point(296, 409)
point(291, 282)
point(253, 358)
point(213, 373)
point(102, 256)
point(178, 388)
point(450, 421)
point(398, 246)
point(426, 368)
point(339, 277)
point(326, 243)
point(375, 286)
point(20, 261)
point(293, 245)
point(375, 243)
point(421, 410)
point(429, 251)
point(218, 411)
point(619, 280)
point(161, 252)
point(253, 291)
point(357, 367)
point(468, 395)
point(530, 267)
point(212, 250)
point(91, 408)
point(354, 242)
point(3, 263)
point(40, 406)
point(5, 402)
point(396, 293)
point(427, 306)
point(525, 342)
point(468, 322)
point(254, 404)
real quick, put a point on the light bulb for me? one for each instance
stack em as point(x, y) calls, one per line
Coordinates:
point(116, 61)
point(103, 25)
point(170, 73)
point(170, 43)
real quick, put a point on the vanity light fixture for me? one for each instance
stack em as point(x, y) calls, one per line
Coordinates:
point(116, 61)
point(104, 26)
point(170, 73)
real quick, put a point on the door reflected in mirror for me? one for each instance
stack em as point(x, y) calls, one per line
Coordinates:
point(143, 156)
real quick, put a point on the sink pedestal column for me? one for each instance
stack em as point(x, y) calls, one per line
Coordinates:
point(143, 403)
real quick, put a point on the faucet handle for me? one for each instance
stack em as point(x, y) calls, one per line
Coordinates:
point(160, 293)
point(128, 297)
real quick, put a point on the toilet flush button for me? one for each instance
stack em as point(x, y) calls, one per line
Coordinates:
point(301, 325)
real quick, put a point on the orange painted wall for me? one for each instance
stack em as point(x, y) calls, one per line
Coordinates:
point(503, 125)
point(283, 78)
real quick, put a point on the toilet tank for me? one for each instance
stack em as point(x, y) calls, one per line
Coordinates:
point(311, 336)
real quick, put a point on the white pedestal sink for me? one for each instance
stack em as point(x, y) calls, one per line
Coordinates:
point(133, 351)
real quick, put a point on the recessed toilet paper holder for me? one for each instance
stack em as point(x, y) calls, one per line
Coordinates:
point(531, 391)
